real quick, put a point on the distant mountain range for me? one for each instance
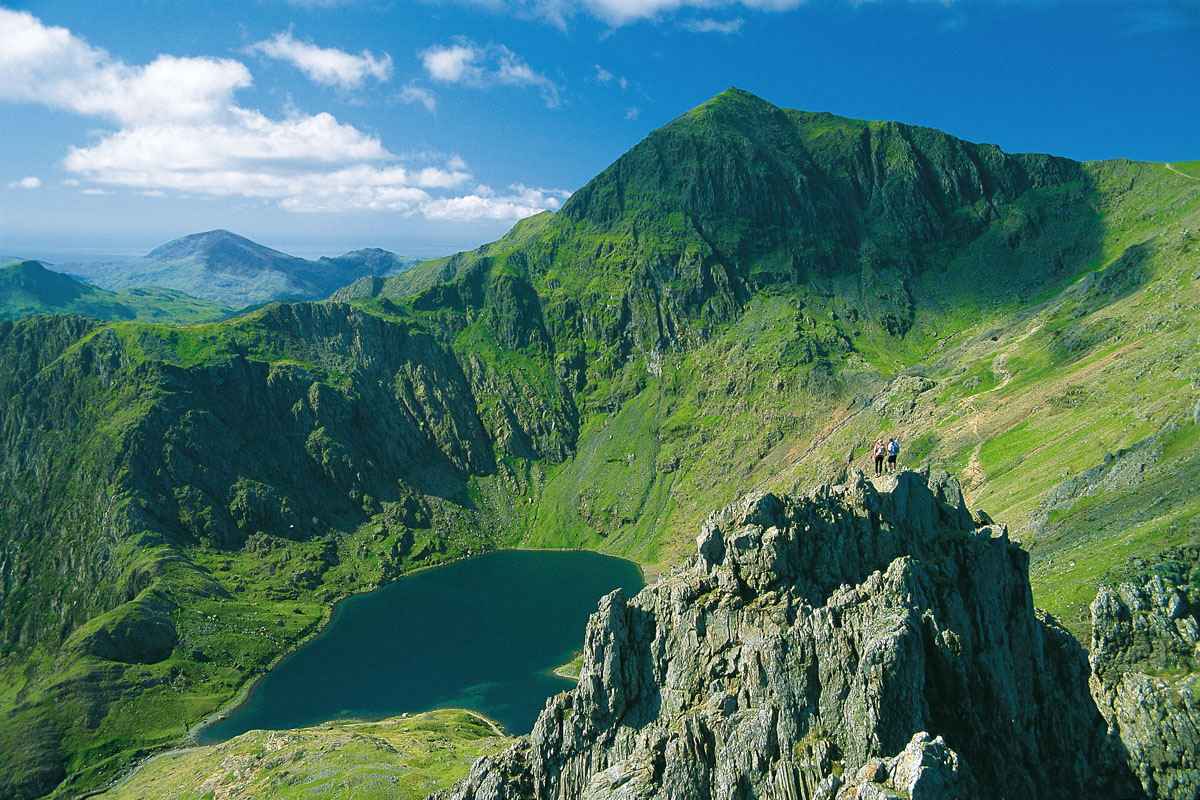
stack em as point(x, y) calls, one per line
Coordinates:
point(27, 287)
point(222, 266)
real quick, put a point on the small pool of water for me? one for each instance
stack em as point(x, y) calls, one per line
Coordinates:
point(484, 633)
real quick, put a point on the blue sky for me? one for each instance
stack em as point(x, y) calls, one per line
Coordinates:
point(319, 126)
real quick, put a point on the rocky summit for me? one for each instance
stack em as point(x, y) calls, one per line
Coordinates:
point(858, 642)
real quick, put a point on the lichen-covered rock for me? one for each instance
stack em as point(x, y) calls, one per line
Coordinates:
point(927, 769)
point(1146, 670)
point(851, 643)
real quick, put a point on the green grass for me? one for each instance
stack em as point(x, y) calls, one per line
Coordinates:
point(401, 757)
point(1191, 168)
point(28, 288)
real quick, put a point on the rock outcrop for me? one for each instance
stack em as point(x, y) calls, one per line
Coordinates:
point(852, 643)
point(1146, 670)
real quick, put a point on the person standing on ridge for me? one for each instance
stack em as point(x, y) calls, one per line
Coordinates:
point(879, 450)
point(893, 450)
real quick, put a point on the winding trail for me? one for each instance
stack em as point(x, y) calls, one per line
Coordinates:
point(1177, 172)
point(1000, 362)
point(975, 474)
point(496, 729)
point(141, 765)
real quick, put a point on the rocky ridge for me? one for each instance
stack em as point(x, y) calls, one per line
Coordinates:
point(852, 643)
point(1146, 670)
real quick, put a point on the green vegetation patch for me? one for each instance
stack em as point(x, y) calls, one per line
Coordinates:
point(401, 757)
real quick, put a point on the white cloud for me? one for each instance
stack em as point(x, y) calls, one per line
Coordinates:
point(482, 67)
point(623, 12)
point(605, 77)
point(179, 131)
point(413, 94)
point(326, 65)
point(50, 66)
point(453, 64)
point(305, 163)
point(631, 113)
point(31, 182)
point(712, 26)
point(484, 204)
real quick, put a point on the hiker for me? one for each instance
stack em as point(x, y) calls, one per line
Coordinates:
point(893, 450)
point(879, 450)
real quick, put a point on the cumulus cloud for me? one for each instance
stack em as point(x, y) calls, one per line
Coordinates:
point(51, 66)
point(180, 130)
point(413, 94)
point(32, 182)
point(325, 65)
point(306, 163)
point(486, 66)
point(632, 113)
point(484, 204)
point(712, 26)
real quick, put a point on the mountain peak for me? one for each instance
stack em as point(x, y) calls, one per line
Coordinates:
point(215, 246)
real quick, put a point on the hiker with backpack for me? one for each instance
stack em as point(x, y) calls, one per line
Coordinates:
point(879, 451)
point(893, 450)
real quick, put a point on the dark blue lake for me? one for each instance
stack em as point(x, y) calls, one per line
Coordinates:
point(484, 633)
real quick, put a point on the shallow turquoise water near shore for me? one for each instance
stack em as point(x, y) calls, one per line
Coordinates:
point(484, 633)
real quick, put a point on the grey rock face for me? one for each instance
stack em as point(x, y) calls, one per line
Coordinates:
point(1146, 671)
point(927, 769)
point(852, 643)
point(1118, 471)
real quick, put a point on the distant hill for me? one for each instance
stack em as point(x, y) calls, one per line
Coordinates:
point(222, 266)
point(27, 287)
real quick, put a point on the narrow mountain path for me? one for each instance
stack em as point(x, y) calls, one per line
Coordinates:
point(496, 729)
point(975, 474)
point(1177, 172)
point(1000, 362)
point(141, 765)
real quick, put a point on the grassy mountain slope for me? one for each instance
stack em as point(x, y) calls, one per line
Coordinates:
point(26, 287)
point(182, 505)
point(222, 266)
point(404, 758)
point(745, 299)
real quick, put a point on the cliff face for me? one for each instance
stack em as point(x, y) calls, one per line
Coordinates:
point(1146, 661)
point(738, 196)
point(139, 460)
point(852, 639)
